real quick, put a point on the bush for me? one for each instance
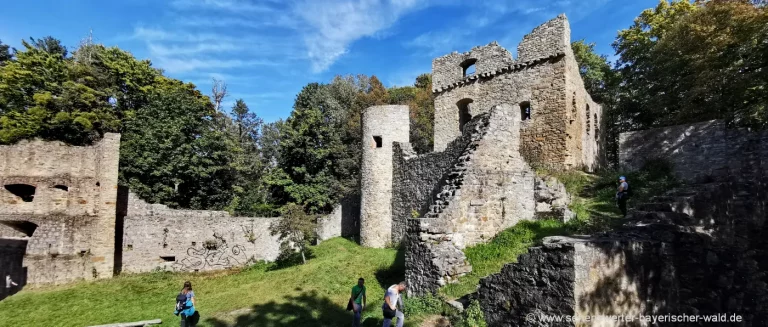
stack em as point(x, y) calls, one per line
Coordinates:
point(471, 317)
point(424, 305)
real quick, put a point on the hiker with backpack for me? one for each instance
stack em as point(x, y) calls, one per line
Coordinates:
point(185, 306)
point(622, 195)
point(357, 301)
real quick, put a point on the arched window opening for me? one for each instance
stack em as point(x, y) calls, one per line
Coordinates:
point(28, 228)
point(25, 191)
point(468, 67)
point(61, 187)
point(464, 113)
point(525, 110)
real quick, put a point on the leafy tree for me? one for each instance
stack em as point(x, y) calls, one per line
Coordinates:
point(172, 153)
point(295, 228)
point(5, 52)
point(422, 112)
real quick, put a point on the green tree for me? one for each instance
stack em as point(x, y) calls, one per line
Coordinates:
point(172, 153)
point(5, 52)
point(295, 228)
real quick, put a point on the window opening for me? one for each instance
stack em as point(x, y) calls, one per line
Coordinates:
point(525, 110)
point(24, 191)
point(464, 113)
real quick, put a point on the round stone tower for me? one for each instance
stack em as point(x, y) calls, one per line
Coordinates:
point(382, 125)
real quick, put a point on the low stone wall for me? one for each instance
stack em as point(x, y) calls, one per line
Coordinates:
point(700, 152)
point(158, 238)
point(577, 277)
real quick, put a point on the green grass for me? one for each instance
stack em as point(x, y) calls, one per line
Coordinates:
point(488, 258)
point(314, 294)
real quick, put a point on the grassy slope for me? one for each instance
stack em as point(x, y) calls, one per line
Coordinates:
point(314, 294)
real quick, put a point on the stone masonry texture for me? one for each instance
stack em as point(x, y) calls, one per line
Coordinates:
point(69, 220)
point(700, 152)
point(699, 249)
point(489, 188)
point(563, 129)
point(156, 237)
point(159, 238)
point(63, 218)
point(382, 126)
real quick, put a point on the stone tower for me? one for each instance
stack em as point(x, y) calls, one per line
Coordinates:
point(382, 125)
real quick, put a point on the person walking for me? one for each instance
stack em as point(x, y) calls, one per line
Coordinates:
point(622, 195)
point(393, 305)
point(185, 306)
point(358, 301)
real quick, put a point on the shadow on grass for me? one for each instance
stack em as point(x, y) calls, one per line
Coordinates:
point(309, 309)
point(287, 260)
point(393, 274)
point(306, 309)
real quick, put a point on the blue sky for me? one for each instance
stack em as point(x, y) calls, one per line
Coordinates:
point(267, 50)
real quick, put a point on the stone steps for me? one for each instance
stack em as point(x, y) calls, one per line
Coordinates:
point(455, 177)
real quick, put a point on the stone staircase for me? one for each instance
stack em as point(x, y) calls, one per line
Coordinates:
point(451, 184)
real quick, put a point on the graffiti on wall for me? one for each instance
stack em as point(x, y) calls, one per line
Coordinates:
point(209, 258)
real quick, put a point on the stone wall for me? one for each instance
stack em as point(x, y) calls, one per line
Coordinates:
point(416, 179)
point(344, 221)
point(489, 189)
point(578, 277)
point(62, 199)
point(545, 77)
point(382, 126)
point(699, 152)
point(697, 250)
point(158, 238)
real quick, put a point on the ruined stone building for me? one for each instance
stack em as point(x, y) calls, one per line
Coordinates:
point(63, 218)
point(58, 202)
point(496, 117)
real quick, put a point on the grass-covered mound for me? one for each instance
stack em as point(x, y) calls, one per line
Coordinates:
point(314, 294)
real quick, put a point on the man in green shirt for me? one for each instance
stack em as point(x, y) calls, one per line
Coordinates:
point(358, 301)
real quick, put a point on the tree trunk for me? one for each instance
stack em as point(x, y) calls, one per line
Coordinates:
point(303, 259)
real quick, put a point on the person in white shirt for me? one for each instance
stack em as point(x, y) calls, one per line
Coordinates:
point(393, 305)
point(9, 282)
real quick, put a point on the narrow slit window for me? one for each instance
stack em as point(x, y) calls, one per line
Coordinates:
point(169, 258)
point(24, 191)
point(464, 113)
point(525, 110)
point(62, 187)
point(378, 141)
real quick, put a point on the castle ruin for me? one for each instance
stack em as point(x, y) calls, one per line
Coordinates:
point(493, 125)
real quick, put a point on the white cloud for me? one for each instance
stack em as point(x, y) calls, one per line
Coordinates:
point(181, 65)
point(332, 26)
point(227, 5)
